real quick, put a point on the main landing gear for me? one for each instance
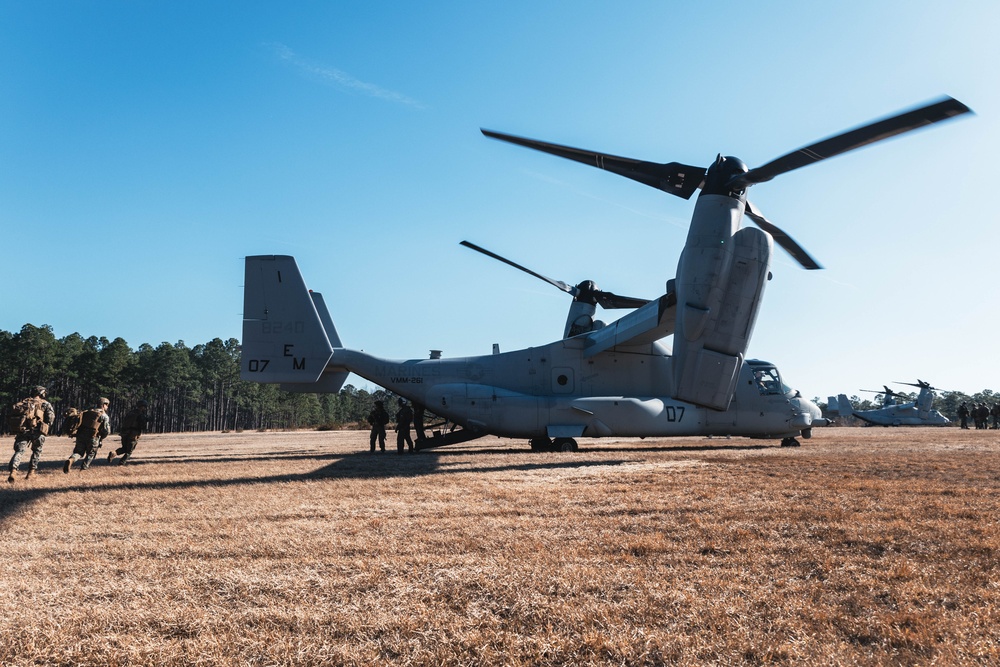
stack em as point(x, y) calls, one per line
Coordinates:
point(557, 445)
point(789, 442)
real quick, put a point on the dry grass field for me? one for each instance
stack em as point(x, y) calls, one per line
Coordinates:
point(862, 547)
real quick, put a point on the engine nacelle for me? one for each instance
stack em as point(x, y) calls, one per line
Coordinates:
point(720, 281)
point(924, 402)
point(580, 318)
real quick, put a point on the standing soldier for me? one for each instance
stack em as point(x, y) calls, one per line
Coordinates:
point(963, 414)
point(94, 427)
point(378, 418)
point(403, 418)
point(418, 421)
point(133, 425)
point(29, 421)
point(982, 416)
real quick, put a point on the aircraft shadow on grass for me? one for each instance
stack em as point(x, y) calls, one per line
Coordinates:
point(15, 499)
point(359, 465)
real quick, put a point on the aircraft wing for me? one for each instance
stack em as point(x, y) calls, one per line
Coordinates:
point(642, 326)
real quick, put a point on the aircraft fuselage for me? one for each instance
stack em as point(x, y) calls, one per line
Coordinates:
point(554, 391)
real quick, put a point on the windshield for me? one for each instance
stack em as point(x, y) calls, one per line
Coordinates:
point(768, 380)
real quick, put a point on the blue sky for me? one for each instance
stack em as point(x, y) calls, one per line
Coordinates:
point(147, 147)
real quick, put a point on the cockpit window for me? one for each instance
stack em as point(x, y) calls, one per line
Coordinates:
point(768, 381)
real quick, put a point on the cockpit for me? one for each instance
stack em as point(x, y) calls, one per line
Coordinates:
point(766, 379)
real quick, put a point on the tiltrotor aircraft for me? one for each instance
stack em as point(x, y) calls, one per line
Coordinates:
point(888, 395)
point(910, 413)
point(598, 380)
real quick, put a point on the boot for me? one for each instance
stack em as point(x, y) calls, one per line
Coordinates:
point(11, 477)
point(31, 471)
point(111, 456)
point(68, 465)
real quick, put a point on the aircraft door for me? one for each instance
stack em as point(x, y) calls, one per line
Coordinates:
point(563, 380)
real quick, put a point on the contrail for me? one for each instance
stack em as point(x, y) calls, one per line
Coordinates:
point(340, 78)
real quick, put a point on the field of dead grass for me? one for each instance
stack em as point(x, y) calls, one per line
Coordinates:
point(864, 546)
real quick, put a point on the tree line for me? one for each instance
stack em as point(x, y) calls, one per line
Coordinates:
point(199, 388)
point(187, 388)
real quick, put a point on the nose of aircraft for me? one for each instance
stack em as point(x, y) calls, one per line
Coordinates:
point(807, 414)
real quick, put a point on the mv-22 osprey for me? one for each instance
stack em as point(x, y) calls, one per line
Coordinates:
point(598, 380)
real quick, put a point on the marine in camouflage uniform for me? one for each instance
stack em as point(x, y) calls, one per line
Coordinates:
point(88, 436)
point(35, 437)
point(378, 418)
point(133, 425)
point(403, 418)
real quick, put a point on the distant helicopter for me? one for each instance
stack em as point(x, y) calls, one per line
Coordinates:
point(596, 381)
point(888, 395)
point(911, 413)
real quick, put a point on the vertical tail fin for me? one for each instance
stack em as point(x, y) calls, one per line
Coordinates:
point(284, 337)
point(324, 317)
point(839, 406)
point(332, 380)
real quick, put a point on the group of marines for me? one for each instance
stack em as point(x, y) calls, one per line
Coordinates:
point(32, 418)
point(980, 413)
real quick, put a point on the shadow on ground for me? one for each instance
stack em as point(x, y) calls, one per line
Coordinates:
point(359, 465)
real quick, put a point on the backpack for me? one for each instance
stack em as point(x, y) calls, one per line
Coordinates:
point(26, 415)
point(71, 422)
point(90, 420)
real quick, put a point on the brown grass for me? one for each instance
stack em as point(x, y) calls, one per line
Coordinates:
point(864, 546)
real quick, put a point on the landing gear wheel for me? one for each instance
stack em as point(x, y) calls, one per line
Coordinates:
point(541, 444)
point(789, 442)
point(565, 445)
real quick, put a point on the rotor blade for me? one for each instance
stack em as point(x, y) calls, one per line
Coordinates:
point(611, 300)
point(868, 134)
point(921, 384)
point(569, 289)
point(781, 238)
point(675, 178)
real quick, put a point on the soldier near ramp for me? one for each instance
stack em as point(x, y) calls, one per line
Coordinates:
point(133, 426)
point(94, 427)
point(378, 418)
point(418, 421)
point(30, 420)
point(404, 416)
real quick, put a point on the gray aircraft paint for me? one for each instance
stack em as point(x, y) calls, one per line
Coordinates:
point(604, 380)
point(563, 389)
